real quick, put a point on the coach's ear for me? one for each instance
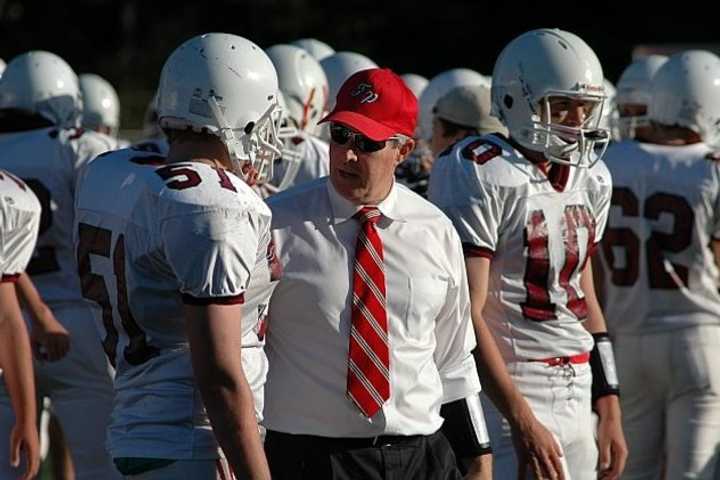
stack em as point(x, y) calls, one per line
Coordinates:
point(406, 148)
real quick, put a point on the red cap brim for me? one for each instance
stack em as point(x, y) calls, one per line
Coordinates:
point(370, 128)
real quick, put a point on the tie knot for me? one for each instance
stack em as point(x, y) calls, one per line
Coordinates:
point(368, 214)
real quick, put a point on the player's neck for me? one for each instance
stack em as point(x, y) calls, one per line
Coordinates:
point(536, 158)
point(200, 152)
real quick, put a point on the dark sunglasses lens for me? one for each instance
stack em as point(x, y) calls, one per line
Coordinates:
point(369, 146)
point(339, 134)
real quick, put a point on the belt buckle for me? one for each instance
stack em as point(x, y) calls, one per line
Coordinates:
point(378, 442)
point(555, 361)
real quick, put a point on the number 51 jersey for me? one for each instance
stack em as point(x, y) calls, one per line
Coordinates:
point(150, 238)
point(539, 231)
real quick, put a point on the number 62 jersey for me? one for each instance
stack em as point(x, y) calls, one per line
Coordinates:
point(659, 269)
point(539, 231)
point(151, 237)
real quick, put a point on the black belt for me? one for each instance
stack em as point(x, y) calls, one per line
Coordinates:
point(348, 443)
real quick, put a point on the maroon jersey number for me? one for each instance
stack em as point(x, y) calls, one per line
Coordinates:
point(537, 305)
point(98, 241)
point(662, 274)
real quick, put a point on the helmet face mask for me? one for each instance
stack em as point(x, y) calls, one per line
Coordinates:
point(544, 66)
point(44, 84)
point(224, 85)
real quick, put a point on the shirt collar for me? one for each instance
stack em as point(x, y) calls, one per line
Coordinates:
point(343, 209)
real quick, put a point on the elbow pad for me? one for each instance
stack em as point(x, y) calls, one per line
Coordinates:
point(602, 363)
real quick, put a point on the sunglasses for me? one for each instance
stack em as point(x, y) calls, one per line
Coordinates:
point(340, 134)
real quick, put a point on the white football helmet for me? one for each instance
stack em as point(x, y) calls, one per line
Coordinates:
point(546, 63)
point(438, 86)
point(315, 47)
point(225, 85)
point(415, 82)
point(101, 105)
point(42, 83)
point(290, 155)
point(633, 88)
point(303, 83)
point(339, 67)
point(686, 93)
point(609, 119)
point(2, 66)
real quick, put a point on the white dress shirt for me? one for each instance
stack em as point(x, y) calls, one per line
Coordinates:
point(429, 325)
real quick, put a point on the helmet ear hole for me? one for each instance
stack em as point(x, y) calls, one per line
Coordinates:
point(249, 127)
point(508, 101)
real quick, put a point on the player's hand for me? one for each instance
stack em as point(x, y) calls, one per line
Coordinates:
point(24, 438)
point(537, 451)
point(49, 339)
point(612, 448)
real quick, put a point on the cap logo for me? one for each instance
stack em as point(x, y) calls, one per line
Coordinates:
point(365, 92)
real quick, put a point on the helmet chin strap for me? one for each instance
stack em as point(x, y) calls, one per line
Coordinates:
point(227, 136)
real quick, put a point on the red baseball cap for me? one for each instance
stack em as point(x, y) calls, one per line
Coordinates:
point(377, 103)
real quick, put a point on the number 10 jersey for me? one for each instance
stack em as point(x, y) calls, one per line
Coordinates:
point(539, 231)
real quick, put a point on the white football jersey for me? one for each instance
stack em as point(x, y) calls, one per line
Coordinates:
point(48, 160)
point(151, 237)
point(19, 223)
point(659, 272)
point(314, 162)
point(539, 231)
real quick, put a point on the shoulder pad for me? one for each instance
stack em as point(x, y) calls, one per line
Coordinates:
point(481, 151)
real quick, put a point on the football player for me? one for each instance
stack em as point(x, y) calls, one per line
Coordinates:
point(661, 254)
point(175, 253)
point(530, 210)
point(633, 97)
point(19, 223)
point(305, 89)
point(40, 107)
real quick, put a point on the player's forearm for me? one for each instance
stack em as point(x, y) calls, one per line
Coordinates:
point(230, 406)
point(16, 363)
point(595, 322)
point(608, 408)
point(40, 314)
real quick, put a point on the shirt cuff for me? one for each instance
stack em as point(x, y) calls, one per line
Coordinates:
point(11, 278)
point(461, 381)
point(232, 300)
point(470, 250)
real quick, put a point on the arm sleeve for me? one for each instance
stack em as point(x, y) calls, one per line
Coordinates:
point(477, 220)
point(454, 334)
point(211, 254)
point(17, 239)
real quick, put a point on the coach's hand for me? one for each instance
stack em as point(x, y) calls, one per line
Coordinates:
point(537, 451)
point(612, 448)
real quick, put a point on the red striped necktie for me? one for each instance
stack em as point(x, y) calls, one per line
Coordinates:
point(368, 379)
